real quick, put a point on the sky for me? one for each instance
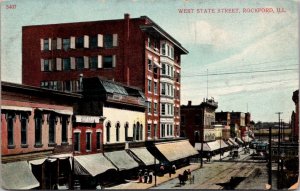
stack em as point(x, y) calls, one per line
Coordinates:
point(246, 61)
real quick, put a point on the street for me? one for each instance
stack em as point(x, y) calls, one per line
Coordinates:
point(225, 174)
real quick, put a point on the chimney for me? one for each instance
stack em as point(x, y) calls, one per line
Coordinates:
point(126, 16)
point(189, 103)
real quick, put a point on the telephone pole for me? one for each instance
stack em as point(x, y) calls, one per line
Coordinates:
point(278, 150)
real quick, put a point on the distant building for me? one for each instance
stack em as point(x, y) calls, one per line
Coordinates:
point(196, 120)
point(295, 124)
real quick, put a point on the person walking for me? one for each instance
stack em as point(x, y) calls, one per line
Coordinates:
point(140, 175)
point(146, 176)
point(150, 177)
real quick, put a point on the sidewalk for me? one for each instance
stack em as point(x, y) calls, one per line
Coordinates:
point(159, 179)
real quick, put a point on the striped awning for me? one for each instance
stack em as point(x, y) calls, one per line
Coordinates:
point(176, 150)
point(121, 160)
point(92, 164)
point(17, 176)
point(144, 155)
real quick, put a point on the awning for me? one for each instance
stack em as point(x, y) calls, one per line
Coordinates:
point(38, 161)
point(223, 144)
point(144, 155)
point(15, 108)
point(233, 142)
point(17, 176)
point(176, 150)
point(239, 140)
point(92, 164)
point(121, 160)
point(59, 111)
point(229, 143)
point(205, 147)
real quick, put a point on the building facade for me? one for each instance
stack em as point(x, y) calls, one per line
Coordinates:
point(133, 51)
point(36, 126)
point(197, 121)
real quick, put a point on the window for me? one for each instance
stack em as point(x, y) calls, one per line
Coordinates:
point(10, 129)
point(79, 42)
point(168, 130)
point(163, 69)
point(52, 129)
point(93, 42)
point(149, 107)
point(98, 141)
point(108, 41)
point(149, 131)
point(46, 44)
point(46, 65)
point(38, 129)
point(66, 44)
point(149, 85)
point(163, 89)
point(66, 64)
point(163, 130)
point(155, 87)
point(163, 48)
point(24, 121)
point(118, 132)
point(108, 132)
point(149, 42)
point(163, 109)
point(155, 107)
point(80, 63)
point(88, 141)
point(77, 142)
point(134, 132)
point(93, 62)
point(107, 62)
point(67, 86)
point(141, 132)
point(149, 64)
point(171, 130)
point(155, 130)
point(126, 131)
point(64, 129)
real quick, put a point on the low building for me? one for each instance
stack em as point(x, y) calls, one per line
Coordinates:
point(295, 125)
point(36, 126)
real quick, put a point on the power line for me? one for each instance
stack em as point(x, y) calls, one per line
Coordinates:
point(243, 72)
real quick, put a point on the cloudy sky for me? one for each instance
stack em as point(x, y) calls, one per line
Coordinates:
point(250, 60)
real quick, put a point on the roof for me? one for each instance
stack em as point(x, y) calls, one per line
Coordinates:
point(176, 150)
point(17, 176)
point(92, 164)
point(22, 88)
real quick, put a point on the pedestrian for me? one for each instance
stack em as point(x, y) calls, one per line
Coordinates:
point(189, 175)
point(140, 175)
point(150, 177)
point(170, 172)
point(174, 168)
point(146, 176)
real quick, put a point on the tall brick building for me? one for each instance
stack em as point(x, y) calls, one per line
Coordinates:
point(133, 51)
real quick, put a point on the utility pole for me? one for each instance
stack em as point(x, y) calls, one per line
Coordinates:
point(278, 150)
point(270, 157)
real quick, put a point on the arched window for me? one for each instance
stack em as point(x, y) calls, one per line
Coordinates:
point(38, 128)
point(24, 122)
point(126, 131)
point(108, 132)
point(64, 129)
point(137, 131)
point(118, 132)
point(134, 133)
point(141, 132)
point(52, 122)
point(10, 129)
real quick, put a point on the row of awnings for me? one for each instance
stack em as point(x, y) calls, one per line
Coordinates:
point(216, 145)
point(95, 164)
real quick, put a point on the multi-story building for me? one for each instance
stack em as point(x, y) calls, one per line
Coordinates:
point(133, 51)
point(197, 121)
point(36, 132)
